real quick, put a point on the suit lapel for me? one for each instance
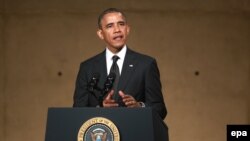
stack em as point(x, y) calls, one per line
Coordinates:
point(127, 69)
point(102, 68)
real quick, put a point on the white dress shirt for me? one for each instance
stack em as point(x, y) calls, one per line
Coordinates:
point(109, 61)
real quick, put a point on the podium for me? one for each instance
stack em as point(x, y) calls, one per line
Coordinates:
point(133, 124)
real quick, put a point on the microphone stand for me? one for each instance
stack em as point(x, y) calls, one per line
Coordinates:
point(92, 86)
point(107, 87)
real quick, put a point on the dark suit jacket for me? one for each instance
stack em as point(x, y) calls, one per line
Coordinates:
point(140, 78)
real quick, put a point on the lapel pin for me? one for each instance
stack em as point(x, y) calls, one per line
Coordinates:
point(131, 65)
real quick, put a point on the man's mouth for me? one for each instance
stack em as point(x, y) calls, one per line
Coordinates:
point(117, 38)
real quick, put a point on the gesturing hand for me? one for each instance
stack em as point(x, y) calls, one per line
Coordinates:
point(129, 100)
point(108, 101)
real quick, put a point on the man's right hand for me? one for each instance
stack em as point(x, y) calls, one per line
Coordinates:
point(108, 101)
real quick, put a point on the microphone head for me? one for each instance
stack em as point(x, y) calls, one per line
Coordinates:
point(96, 76)
point(93, 82)
point(111, 77)
point(109, 82)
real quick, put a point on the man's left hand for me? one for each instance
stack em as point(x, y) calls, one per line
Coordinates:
point(129, 100)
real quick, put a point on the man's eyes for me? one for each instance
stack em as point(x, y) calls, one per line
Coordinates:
point(111, 25)
point(122, 24)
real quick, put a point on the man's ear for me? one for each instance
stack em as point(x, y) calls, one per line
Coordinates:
point(99, 34)
point(128, 29)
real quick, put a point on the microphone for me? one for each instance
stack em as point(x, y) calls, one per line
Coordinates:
point(92, 85)
point(109, 83)
point(107, 87)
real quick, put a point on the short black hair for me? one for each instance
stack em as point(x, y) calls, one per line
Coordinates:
point(109, 10)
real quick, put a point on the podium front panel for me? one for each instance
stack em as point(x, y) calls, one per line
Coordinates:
point(134, 124)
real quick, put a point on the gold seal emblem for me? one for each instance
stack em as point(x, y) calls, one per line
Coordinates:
point(98, 129)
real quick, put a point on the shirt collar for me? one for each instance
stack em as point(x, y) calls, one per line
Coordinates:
point(121, 54)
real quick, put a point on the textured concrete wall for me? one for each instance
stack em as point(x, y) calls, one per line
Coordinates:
point(202, 48)
point(1, 80)
point(2, 66)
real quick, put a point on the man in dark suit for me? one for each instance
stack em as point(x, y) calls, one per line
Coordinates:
point(137, 79)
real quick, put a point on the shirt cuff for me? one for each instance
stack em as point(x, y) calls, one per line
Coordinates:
point(142, 104)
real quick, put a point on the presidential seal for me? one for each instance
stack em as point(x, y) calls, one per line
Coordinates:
point(98, 129)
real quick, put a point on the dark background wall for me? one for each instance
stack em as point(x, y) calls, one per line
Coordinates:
point(202, 49)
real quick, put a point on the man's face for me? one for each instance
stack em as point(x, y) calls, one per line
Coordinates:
point(114, 31)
